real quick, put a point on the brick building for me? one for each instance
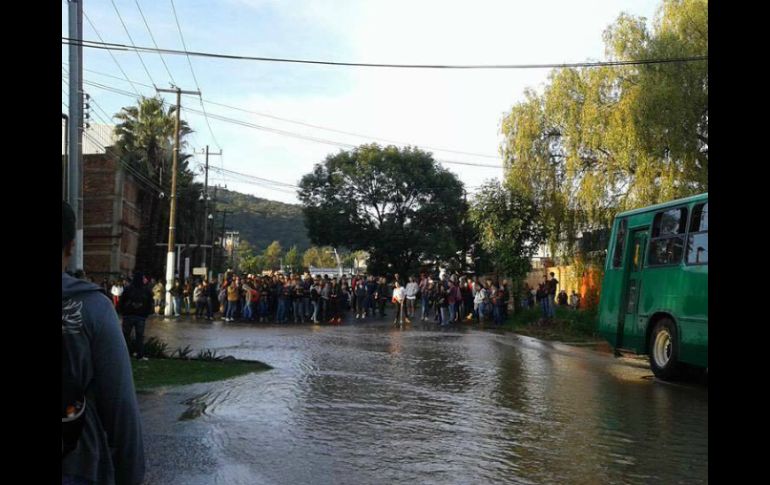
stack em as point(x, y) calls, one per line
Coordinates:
point(111, 217)
point(111, 214)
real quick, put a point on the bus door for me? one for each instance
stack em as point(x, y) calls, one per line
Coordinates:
point(633, 285)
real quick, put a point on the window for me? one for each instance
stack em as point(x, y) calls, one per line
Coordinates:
point(698, 240)
point(620, 240)
point(668, 237)
point(636, 263)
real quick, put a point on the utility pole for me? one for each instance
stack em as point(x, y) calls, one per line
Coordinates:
point(65, 162)
point(172, 216)
point(74, 130)
point(206, 203)
point(224, 218)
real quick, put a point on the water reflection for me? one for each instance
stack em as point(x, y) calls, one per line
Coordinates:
point(374, 404)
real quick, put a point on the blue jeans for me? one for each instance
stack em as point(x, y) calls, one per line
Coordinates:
point(315, 304)
point(136, 323)
point(247, 311)
point(299, 313)
point(176, 305)
point(483, 311)
point(232, 306)
point(425, 307)
point(306, 307)
point(263, 308)
point(452, 312)
point(281, 313)
point(551, 307)
point(498, 314)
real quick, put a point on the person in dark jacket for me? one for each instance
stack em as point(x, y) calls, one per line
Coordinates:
point(110, 448)
point(136, 306)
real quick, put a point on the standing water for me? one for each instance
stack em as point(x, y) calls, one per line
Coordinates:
point(368, 403)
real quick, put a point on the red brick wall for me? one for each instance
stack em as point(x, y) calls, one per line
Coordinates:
point(100, 229)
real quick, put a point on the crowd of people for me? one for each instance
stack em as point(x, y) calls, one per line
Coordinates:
point(304, 298)
point(326, 299)
point(545, 297)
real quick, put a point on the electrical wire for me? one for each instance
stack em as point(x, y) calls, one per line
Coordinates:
point(153, 41)
point(120, 68)
point(123, 47)
point(195, 79)
point(130, 39)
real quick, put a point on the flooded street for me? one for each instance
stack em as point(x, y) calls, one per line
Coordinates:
point(367, 403)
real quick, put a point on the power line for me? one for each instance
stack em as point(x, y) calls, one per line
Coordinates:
point(195, 79)
point(153, 41)
point(116, 46)
point(140, 177)
point(111, 54)
point(284, 132)
point(130, 39)
point(303, 123)
point(317, 140)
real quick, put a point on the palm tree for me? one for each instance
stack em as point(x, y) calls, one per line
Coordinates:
point(145, 139)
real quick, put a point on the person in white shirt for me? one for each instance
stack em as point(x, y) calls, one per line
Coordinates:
point(411, 296)
point(117, 292)
point(399, 295)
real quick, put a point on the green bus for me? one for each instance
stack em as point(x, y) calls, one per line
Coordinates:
point(654, 296)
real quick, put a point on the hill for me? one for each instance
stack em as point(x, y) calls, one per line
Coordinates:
point(262, 221)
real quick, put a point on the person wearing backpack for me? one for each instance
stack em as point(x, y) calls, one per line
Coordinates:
point(101, 425)
point(136, 306)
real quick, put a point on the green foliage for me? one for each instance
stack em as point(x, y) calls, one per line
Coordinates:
point(320, 257)
point(399, 205)
point(177, 372)
point(603, 140)
point(293, 259)
point(208, 354)
point(145, 140)
point(154, 348)
point(509, 226)
point(271, 256)
point(182, 353)
point(568, 326)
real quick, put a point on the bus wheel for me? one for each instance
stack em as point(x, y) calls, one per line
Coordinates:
point(664, 354)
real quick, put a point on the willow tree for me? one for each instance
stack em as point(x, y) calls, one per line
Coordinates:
point(604, 139)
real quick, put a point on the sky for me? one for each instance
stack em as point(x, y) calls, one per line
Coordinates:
point(438, 110)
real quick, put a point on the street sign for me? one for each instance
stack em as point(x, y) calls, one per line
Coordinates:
point(199, 271)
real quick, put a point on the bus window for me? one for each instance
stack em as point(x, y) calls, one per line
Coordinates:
point(668, 237)
point(698, 240)
point(620, 240)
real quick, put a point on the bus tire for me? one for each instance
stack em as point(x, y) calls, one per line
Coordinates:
point(664, 350)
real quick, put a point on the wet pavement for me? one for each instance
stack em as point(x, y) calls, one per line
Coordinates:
point(368, 403)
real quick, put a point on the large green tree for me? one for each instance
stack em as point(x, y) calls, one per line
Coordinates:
point(399, 205)
point(145, 140)
point(510, 227)
point(601, 140)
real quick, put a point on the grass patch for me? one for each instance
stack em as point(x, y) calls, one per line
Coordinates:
point(568, 326)
point(176, 372)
